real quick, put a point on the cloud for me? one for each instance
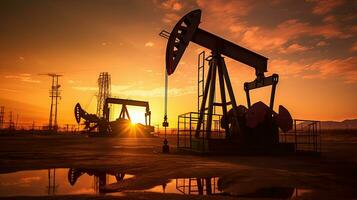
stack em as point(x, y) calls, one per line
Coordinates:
point(106, 43)
point(85, 88)
point(330, 19)
point(324, 6)
point(128, 91)
point(267, 38)
point(23, 78)
point(120, 87)
point(293, 48)
point(321, 44)
point(149, 44)
point(7, 90)
point(229, 7)
point(230, 11)
point(354, 47)
point(174, 5)
point(170, 7)
point(273, 39)
point(344, 69)
point(170, 18)
point(286, 68)
point(155, 92)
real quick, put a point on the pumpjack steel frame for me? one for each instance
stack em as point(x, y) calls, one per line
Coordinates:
point(216, 64)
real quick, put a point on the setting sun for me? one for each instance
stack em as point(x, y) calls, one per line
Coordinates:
point(137, 116)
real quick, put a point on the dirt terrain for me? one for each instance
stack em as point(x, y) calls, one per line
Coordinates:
point(330, 176)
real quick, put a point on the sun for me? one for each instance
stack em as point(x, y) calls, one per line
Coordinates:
point(137, 117)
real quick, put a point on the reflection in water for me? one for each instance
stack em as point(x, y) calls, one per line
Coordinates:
point(213, 186)
point(199, 186)
point(52, 187)
point(58, 181)
point(94, 181)
point(101, 177)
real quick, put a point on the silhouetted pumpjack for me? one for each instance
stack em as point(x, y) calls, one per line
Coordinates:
point(121, 126)
point(185, 31)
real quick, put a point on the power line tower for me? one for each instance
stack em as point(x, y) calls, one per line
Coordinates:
point(104, 90)
point(55, 95)
point(2, 114)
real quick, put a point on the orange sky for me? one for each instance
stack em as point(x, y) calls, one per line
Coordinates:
point(311, 44)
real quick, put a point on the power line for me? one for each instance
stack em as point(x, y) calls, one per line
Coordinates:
point(55, 95)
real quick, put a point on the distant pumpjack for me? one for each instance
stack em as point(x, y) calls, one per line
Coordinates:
point(92, 121)
point(122, 126)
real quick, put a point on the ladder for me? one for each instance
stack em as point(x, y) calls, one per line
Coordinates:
point(201, 77)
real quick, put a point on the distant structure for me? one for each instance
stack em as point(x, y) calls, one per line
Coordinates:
point(55, 95)
point(104, 91)
point(2, 114)
point(11, 122)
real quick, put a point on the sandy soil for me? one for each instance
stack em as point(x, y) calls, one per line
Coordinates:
point(331, 176)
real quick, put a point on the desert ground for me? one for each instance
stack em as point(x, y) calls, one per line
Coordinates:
point(333, 175)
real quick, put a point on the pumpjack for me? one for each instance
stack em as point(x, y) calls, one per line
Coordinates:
point(122, 126)
point(254, 125)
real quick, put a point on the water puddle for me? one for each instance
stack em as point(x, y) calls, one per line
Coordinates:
point(72, 181)
point(59, 181)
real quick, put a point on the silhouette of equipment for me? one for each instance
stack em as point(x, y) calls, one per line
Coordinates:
point(122, 126)
point(101, 177)
point(257, 124)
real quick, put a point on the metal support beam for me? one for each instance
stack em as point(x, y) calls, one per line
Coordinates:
point(216, 64)
point(223, 99)
point(230, 90)
point(203, 104)
point(213, 65)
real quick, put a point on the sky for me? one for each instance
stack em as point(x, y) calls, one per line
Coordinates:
point(311, 44)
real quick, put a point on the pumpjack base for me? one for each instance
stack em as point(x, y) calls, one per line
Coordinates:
point(229, 147)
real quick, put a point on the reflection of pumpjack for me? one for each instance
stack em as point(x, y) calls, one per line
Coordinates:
point(121, 126)
point(200, 186)
point(52, 186)
point(100, 177)
point(213, 186)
